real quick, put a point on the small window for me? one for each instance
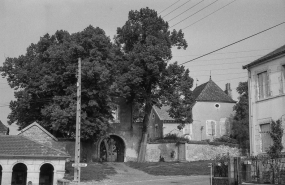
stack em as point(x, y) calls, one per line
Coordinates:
point(153, 116)
point(211, 128)
point(263, 87)
point(217, 105)
point(116, 113)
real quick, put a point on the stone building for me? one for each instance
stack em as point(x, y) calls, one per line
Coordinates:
point(266, 83)
point(23, 160)
point(210, 113)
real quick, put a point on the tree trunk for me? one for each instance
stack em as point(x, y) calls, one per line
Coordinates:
point(144, 137)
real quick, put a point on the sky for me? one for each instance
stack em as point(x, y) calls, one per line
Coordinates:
point(24, 22)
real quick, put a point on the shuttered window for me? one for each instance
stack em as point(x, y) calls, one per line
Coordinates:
point(223, 129)
point(211, 127)
point(263, 85)
point(266, 140)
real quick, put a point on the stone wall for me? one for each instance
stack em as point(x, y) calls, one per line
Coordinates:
point(190, 152)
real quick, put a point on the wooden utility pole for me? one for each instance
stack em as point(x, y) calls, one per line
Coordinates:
point(78, 122)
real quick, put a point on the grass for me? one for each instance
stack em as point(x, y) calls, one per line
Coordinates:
point(172, 168)
point(93, 172)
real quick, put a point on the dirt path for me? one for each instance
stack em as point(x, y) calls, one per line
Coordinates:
point(127, 175)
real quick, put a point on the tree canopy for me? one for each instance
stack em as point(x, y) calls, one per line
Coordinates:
point(146, 77)
point(44, 80)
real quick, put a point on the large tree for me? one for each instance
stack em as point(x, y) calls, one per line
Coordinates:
point(44, 80)
point(146, 43)
point(240, 122)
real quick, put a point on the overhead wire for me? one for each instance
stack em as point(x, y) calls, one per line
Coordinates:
point(168, 7)
point(176, 8)
point(209, 15)
point(194, 14)
point(186, 10)
point(234, 43)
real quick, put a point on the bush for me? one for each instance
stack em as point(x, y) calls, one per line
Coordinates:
point(226, 139)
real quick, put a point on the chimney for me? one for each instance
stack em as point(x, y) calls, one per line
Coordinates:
point(228, 90)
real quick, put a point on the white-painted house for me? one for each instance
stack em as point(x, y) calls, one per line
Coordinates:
point(266, 82)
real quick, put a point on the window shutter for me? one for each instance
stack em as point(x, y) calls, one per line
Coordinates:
point(223, 126)
point(283, 126)
point(267, 87)
point(213, 124)
point(209, 127)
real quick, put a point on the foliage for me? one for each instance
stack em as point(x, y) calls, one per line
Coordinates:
point(276, 134)
point(146, 42)
point(240, 121)
point(45, 82)
point(226, 139)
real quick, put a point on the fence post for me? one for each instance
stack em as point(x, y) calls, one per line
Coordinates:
point(231, 171)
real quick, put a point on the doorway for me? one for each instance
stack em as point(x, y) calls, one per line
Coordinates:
point(0, 174)
point(112, 149)
point(46, 174)
point(19, 174)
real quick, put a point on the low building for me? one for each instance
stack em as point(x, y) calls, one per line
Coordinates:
point(266, 82)
point(23, 160)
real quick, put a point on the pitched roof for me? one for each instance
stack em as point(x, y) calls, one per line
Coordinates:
point(3, 128)
point(275, 53)
point(163, 113)
point(210, 91)
point(35, 124)
point(14, 145)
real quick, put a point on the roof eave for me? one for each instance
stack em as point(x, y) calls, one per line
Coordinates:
point(264, 60)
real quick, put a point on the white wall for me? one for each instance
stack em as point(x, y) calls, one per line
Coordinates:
point(270, 108)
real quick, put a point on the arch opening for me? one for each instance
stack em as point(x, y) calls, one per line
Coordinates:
point(46, 174)
point(112, 149)
point(19, 174)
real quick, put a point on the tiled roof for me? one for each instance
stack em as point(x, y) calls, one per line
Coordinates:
point(210, 91)
point(162, 112)
point(3, 128)
point(275, 53)
point(14, 145)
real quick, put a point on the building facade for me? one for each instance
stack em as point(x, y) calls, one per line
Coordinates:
point(210, 113)
point(24, 161)
point(266, 82)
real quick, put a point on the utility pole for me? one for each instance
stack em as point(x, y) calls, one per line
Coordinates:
point(76, 166)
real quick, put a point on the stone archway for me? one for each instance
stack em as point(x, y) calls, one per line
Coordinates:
point(112, 149)
point(19, 174)
point(0, 174)
point(46, 174)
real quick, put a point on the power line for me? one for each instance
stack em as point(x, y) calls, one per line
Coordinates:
point(168, 7)
point(226, 58)
point(194, 13)
point(209, 15)
point(176, 8)
point(186, 10)
point(234, 43)
point(246, 51)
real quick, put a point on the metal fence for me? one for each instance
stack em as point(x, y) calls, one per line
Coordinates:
point(262, 170)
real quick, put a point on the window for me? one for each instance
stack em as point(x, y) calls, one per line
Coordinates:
point(266, 140)
point(188, 128)
point(116, 113)
point(263, 88)
point(211, 127)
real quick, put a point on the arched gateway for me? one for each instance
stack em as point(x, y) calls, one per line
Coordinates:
point(112, 149)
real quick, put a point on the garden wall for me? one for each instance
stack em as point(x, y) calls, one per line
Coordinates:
point(187, 152)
